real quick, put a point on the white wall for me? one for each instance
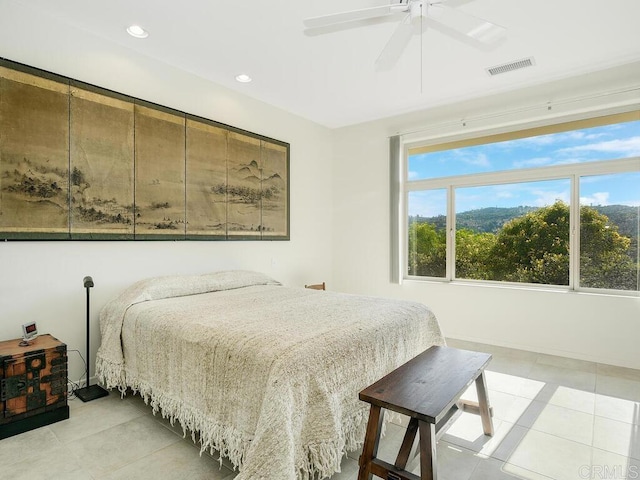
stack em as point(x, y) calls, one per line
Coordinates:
point(42, 281)
point(592, 327)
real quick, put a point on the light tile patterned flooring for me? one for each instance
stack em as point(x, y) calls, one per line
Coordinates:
point(554, 418)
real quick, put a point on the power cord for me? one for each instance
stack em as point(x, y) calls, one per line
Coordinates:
point(73, 386)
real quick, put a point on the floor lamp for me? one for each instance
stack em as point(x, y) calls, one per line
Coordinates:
point(90, 392)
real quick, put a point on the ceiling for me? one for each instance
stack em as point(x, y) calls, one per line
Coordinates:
point(329, 77)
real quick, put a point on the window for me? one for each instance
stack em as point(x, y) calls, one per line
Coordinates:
point(427, 233)
point(609, 231)
point(556, 205)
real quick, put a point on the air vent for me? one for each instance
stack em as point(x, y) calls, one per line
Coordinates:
point(511, 66)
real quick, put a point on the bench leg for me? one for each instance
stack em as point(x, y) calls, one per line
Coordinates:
point(407, 443)
point(483, 403)
point(371, 440)
point(428, 469)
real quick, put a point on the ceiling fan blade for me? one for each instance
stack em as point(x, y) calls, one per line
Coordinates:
point(353, 15)
point(396, 45)
point(469, 25)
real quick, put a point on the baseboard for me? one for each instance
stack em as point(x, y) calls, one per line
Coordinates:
point(546, 351)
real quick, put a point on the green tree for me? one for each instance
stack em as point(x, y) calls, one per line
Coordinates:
point(605, 260)
point(534, 248)
point(473, 254)
point(427, 250)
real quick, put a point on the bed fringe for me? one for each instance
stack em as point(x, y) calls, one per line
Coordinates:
point(322, 460)
point(110, 375)
point(318, 461)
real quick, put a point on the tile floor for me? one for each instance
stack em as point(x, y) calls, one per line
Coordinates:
point(554, 418)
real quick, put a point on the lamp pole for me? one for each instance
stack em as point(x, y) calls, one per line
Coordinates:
point(89, 392)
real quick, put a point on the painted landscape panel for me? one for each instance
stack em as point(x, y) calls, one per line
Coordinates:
point(81, 162)
point(160, 172)
point(274, 190)
point(101, 163)
point(244, 190)
point(206, 180)
point(34, 156)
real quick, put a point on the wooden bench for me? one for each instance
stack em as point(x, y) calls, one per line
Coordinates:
point(427, 389)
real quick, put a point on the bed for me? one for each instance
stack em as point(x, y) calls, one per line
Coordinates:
point(266, 375)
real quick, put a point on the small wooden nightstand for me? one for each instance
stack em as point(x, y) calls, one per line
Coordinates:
point(33, 384)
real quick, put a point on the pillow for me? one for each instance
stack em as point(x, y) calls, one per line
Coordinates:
point(181, 285)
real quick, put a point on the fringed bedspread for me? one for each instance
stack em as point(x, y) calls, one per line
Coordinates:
point(269, 376)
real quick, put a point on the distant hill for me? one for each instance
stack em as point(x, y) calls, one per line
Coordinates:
point(491, 219)
point(485, 220)
point(624, 216)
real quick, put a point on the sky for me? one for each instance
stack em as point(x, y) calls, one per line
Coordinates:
point(607, 142)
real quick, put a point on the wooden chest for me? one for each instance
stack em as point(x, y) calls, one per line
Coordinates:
point(33, 384)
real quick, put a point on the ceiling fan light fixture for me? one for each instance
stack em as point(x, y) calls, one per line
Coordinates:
point(137, 31)
point(415, 11)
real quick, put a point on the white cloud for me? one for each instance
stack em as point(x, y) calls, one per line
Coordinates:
point(628, 147)
point(533, 162)
point(547, 197)
point(427, 204)
point(504, 194)
point(593, 136)
point(478, 159)
point(597, 198)
point(412, 175)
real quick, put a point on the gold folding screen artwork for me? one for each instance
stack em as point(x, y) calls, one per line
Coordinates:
point(206, 177)
point(101, 165)
point(80, 162)
point(34, 155)
point(275, 184)
point(160, 166)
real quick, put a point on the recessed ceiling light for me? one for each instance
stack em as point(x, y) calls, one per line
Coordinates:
point(243, 78)
point(137, 31)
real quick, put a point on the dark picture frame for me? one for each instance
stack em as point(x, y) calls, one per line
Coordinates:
point(80, 162)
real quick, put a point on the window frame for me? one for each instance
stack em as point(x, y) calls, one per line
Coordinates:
point(572, 172)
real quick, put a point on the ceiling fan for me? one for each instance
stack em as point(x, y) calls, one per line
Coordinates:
point(415, 11)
